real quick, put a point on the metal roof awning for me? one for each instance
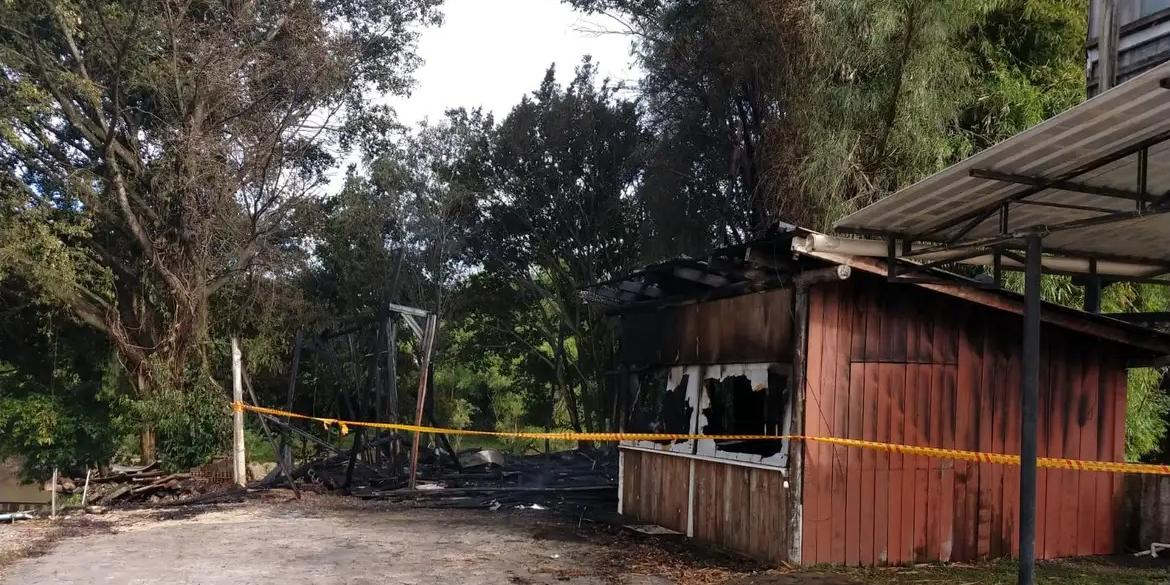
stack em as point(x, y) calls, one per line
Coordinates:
point(1094, 181)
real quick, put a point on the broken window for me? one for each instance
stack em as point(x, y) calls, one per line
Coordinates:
point(751, 399)
point(729, 399)
point(663, 402)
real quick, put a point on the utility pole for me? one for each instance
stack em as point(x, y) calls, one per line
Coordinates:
point(239, 470)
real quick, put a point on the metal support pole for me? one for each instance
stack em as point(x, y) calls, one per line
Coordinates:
point(239, 471)
point(1029, 398)
point(1143, 178)
point(1093, 289)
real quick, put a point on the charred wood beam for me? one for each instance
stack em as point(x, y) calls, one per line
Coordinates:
point(405, 310)
point(643, 289)
point(822, 275)
point(1152, 317)
point(701, 277)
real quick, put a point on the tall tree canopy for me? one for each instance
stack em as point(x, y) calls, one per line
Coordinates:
point(156, 151)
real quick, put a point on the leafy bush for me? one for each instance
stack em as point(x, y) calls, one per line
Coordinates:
point(53, 431)
point(1145, 414)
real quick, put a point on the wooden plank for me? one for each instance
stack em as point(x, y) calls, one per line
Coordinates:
point(815, 454)
point(1057, 479)
point(1103, 517)
point(1002, 394)
point(1011, 444)
point(868, 412)
point(1043, 421)
point(866, 548)
point(881, 521)
point(846, 309)
point(856, 430)
point(829, 370)
point(966, 433)
point(735, 519)
point(899, 528)
point(706, 502)
point(1074, 372)
point(630, 476)
point(894, 325)
point(986, 503)
point(917, 420)
point(932, 424)
point(1086, 419)
point(947, 417)
point(1116, 502)
point(946, 331)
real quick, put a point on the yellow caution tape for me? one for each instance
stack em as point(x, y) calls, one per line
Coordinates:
point(953, 454)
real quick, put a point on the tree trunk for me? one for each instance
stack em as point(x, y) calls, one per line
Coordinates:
point(147, 447)
point(566, 387)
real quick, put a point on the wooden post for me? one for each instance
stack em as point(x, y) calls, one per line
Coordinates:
point(85, 490)
point(391, 369)
point(795, 479)
point(285, 454)
point(53, 498)
point(428, 341)
point(239, 471)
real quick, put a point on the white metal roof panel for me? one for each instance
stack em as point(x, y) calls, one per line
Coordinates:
point(1071, 146)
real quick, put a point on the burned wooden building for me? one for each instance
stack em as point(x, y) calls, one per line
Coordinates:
point(790, 336)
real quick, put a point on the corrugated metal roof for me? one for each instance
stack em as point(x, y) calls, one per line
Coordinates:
point(1096, 145)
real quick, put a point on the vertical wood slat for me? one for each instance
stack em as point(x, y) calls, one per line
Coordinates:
point(881, 507)
point(986, 503)
point(1071, 442)
point(829, 358)
point(1119, 402)
point(814, 509)
point(840, 416)
point(1056, 481)
point(966, 431)
point(1105, 438)
point(869, 390)
point(853, 465)
point(1086, 412)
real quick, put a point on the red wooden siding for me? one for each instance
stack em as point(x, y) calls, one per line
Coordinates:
point(906, 365)
point(741, 508)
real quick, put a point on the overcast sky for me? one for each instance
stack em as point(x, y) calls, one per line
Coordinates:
point(491, 52)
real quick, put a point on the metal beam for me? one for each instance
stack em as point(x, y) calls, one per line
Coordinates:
point(1054, 184)
point(1029, 392)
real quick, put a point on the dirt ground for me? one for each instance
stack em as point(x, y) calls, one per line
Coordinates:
point(323, 539)
point(329, 540)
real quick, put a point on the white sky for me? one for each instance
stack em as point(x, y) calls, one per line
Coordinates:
point(491, 52)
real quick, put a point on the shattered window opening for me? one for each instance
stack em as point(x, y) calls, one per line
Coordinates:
point(735, 405)
point(661, 406)
point(718, 399)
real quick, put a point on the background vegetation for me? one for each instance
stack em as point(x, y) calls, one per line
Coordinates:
point(164, 188)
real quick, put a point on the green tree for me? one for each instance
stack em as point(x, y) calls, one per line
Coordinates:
point(155, 152)
point(555, 214)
